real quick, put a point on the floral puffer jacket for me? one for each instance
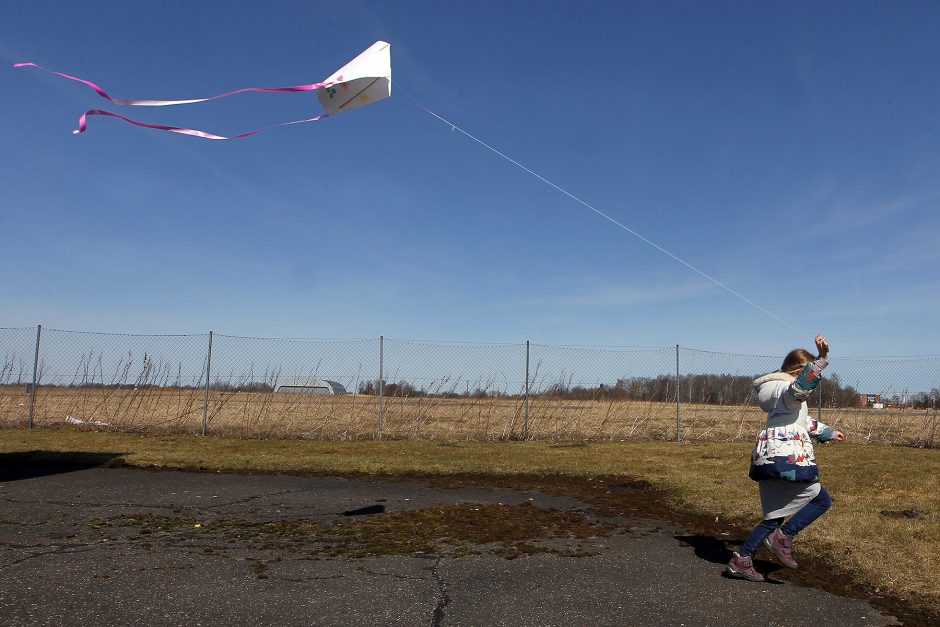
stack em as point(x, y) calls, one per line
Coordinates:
point(784, 449)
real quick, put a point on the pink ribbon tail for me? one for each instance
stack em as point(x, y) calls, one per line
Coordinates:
point(82, 125)
point(163, 103)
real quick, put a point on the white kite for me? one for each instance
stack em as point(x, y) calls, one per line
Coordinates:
point(364, 80)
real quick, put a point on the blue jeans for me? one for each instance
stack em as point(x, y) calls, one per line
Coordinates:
point(797, 523)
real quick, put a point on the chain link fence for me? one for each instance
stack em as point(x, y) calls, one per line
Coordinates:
point(296, 388)
point(384, 388)
point(16, 374)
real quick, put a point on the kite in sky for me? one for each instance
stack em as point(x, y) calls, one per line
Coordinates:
point(364, 80)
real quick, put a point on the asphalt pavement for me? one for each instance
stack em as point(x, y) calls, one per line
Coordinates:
point(119, 546)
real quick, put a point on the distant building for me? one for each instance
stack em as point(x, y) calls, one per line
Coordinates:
point(321, 387)
point(870, 400)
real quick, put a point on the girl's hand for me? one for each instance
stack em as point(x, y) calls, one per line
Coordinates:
point(838, 436)
point(822, 346)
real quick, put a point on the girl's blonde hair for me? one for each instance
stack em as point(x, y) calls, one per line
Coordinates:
point(796, 359)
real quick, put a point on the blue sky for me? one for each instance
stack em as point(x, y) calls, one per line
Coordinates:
point(789, 150)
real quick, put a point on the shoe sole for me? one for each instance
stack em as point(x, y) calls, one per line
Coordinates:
point(741, 575)
point(780, 559)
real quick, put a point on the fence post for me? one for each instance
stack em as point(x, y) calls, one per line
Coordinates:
point(678, 421)
point(205, 404)
point(32, 390)
point(381, 386)
point(525, 422)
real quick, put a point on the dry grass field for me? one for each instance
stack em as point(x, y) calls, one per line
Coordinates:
point(355, 417)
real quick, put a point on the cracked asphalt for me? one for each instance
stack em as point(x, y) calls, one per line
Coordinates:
point(132, 547)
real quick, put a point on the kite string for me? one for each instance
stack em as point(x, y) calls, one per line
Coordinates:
point(454, 127)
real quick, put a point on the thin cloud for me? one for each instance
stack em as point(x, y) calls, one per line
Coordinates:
point(839, 208)
point(846, 215)
point(612, 296)
point(914, 250)
point(889, 303)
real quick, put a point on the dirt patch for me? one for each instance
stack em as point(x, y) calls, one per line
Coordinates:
point(456, 530)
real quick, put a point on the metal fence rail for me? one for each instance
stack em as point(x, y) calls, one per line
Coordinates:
point(390, 388)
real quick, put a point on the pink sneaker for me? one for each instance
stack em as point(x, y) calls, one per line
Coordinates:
point(743, 568)
point(781, 545)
